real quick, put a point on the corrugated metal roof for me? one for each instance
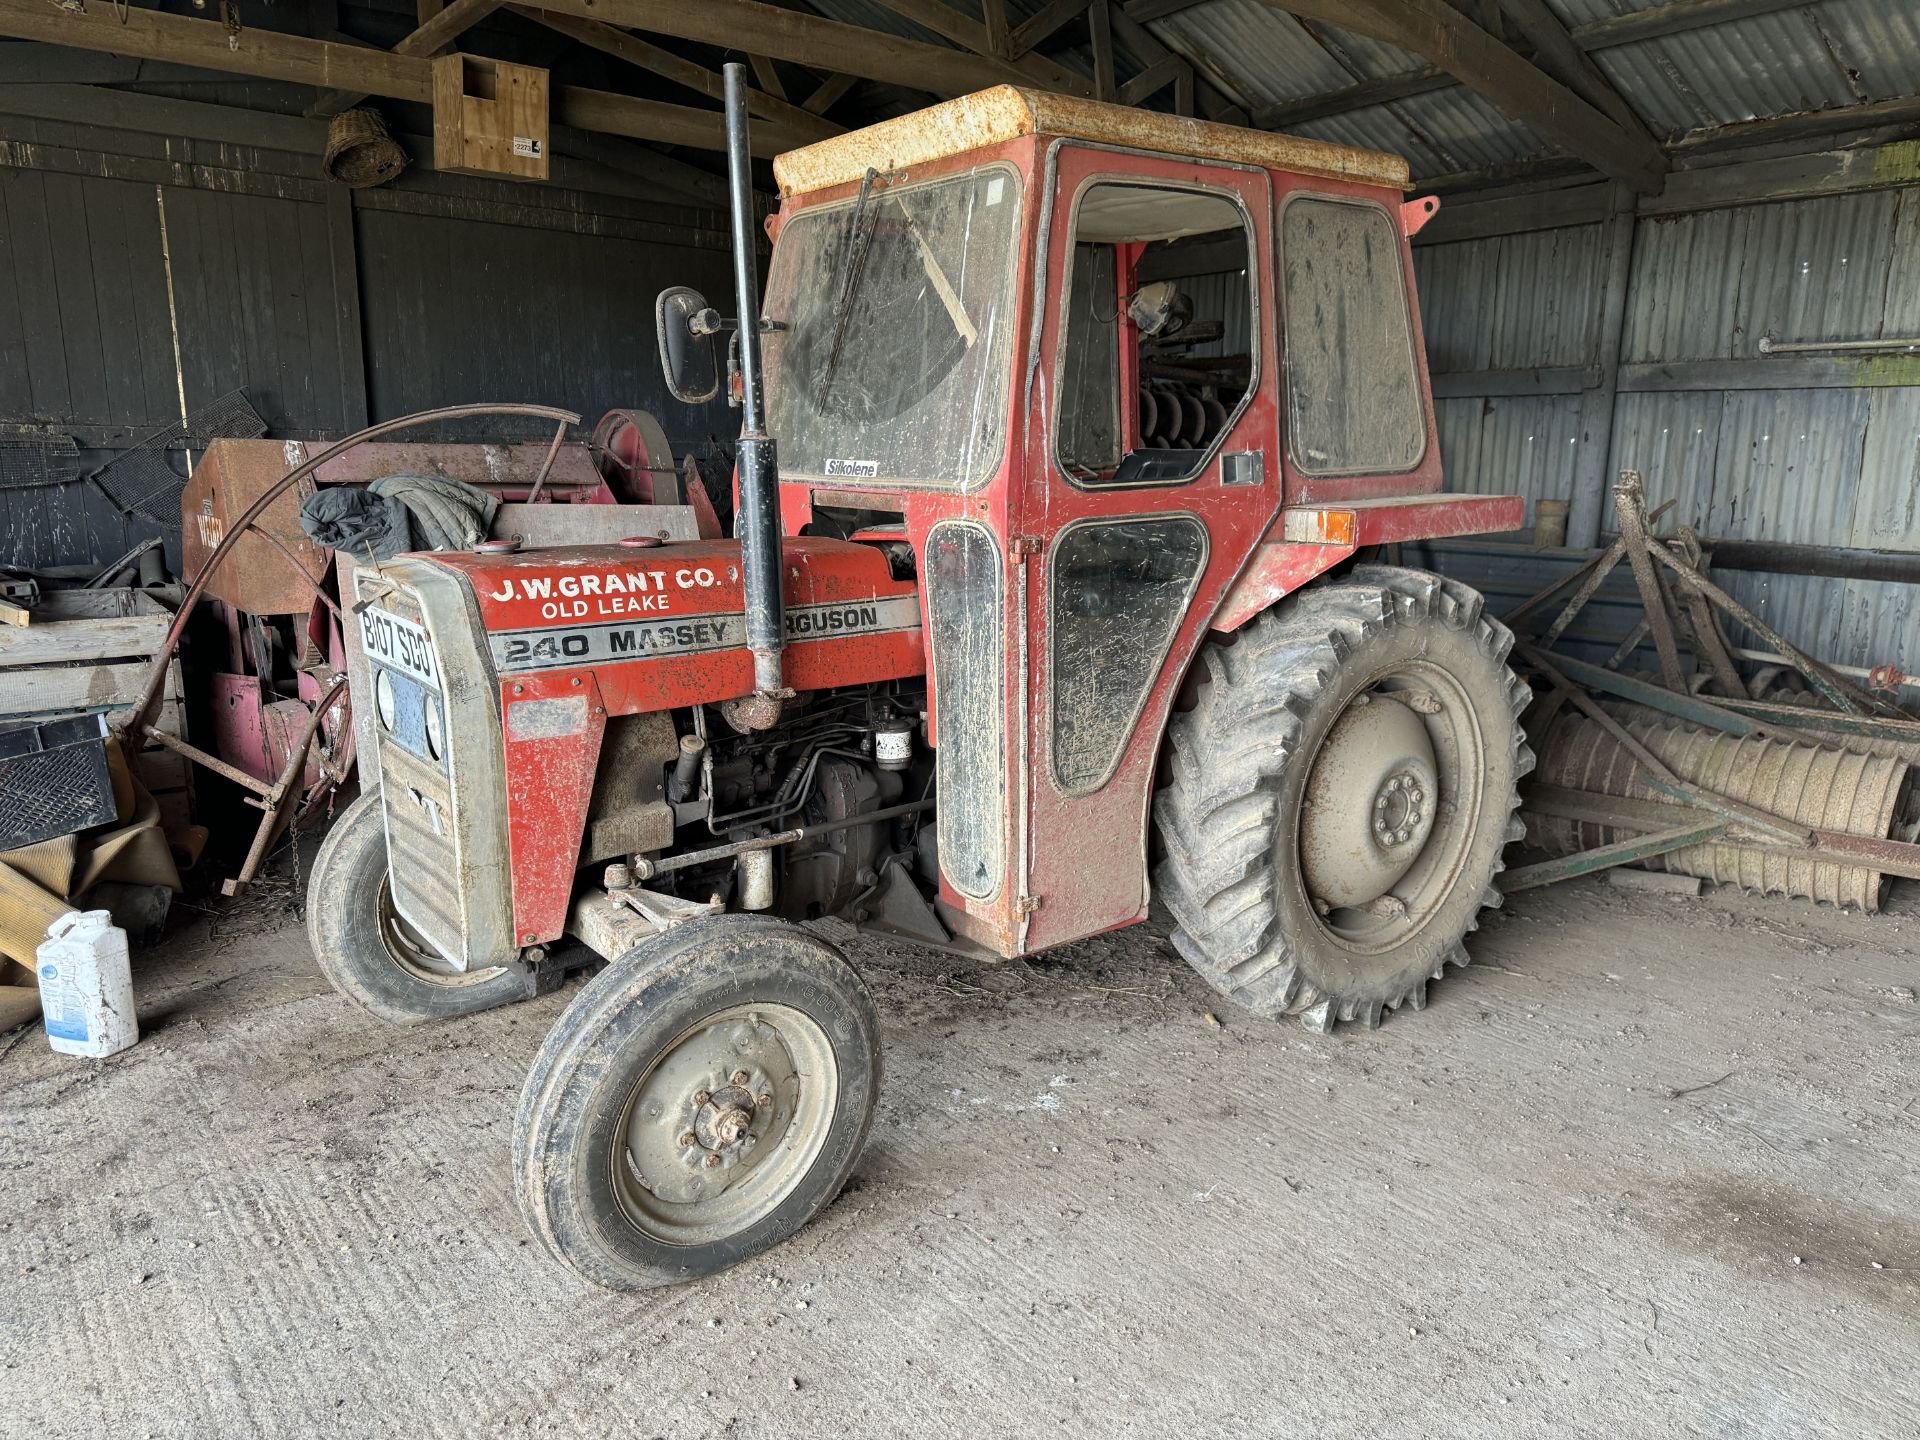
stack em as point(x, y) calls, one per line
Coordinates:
point(1291, 62)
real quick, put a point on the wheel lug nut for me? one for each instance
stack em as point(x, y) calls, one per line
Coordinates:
point(763, 1100)
point(739, 1077)
point(711, 1161)
point(689, 1139)
point(701, 1097)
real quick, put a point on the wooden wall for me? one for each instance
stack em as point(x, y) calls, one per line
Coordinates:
point(158, 253)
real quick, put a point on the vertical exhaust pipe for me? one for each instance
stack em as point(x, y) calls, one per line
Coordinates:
point(758, 522)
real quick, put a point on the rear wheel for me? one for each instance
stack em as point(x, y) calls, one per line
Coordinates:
point(1341, 794)
point(698, 1102)
point(369, 953)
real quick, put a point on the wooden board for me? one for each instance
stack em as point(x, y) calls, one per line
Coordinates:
point(67, 688)
point(489, 117)
point(51, 642)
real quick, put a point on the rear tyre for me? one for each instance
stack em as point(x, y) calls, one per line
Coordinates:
point(700, 1100)
point(1340, 797)
point(371, 955)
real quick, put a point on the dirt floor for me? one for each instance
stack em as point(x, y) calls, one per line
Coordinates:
point(1647, 1168)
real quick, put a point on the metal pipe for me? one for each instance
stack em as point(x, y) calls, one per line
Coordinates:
point(758, 523)
point(1770, 346)
point(1775, 557)
point(136, 719)
point(648, 869)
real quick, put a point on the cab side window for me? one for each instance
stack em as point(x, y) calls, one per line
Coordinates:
point(1156, 352)
point(1353, 394)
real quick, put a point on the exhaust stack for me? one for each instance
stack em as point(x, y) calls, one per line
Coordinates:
point(758, 522)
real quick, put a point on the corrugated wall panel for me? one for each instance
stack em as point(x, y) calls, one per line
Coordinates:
point(1709, 285)
point(1674, 442)
point(1886, 514)
point(1513, 446)
point(1454, 282)
point(1788, 466)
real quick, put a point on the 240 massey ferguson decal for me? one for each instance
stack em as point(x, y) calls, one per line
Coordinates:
point(548, 649)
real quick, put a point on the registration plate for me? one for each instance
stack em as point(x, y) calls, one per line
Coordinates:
point(390, 640)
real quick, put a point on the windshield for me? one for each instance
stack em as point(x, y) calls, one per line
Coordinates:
point(897, 315)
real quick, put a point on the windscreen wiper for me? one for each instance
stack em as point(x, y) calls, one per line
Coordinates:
point(853, 261)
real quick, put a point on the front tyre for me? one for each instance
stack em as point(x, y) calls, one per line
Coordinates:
point(699, 1101)
point(1340, 796)
point(369, 953)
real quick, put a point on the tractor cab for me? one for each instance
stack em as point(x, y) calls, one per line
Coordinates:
point(1101, 371)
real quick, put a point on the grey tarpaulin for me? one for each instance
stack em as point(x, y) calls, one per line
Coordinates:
point(398, 513)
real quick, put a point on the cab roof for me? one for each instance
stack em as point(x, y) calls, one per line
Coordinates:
point(1008, 112)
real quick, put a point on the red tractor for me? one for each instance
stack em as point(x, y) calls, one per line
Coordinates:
point(1052, 601)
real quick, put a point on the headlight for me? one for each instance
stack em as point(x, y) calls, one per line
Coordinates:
point(383, 703)
point(432, 716)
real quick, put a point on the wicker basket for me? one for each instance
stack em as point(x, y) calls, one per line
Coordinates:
point(360, 153)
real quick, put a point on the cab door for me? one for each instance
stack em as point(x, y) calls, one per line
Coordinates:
point(1154, 468)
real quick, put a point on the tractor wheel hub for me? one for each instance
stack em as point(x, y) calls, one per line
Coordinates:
point(1370, 803)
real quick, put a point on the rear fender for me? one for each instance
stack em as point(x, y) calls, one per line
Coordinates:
point(1309, 540)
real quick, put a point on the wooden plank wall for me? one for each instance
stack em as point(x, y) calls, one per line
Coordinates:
point(124, 246)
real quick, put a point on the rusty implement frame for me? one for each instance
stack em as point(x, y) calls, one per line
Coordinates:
point(135, 728)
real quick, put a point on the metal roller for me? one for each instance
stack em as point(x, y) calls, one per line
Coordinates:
point(1812, 785)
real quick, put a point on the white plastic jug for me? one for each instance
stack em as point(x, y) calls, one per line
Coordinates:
point(86, 985)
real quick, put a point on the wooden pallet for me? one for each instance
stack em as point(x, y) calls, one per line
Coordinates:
point(89, 651)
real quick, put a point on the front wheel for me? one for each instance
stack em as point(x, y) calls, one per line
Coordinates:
point(368, 951)
point(1341, 794)
point(699, 1101)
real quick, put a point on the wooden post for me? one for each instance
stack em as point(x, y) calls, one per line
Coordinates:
point(1591, 460)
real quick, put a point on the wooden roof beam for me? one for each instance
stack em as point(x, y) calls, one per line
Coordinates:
point(664, 63)
point(1681, 17)
point(326, 64)
point(1453, 43)
point(811, 40)
point(971, 34)
point(1556, 52)
point(434, 35)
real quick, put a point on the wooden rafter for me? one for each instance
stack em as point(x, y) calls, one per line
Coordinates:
point(1453, 43)
point(635, 51)
point(326, 64)
point(1053, 16)
point(437, 31)
point(1556, 52)
point(811, 40)
point(971, 34)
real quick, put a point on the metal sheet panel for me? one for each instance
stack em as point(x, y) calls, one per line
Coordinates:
point(1510, 446)
point(1511, 302)
point(1879, 39)
point(1709, 285)
point(1674, 442)
point(1268, 53)
point(1766, 65)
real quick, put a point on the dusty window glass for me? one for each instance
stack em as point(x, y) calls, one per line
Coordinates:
point(1090, 366)
point(1157, 292)
point(1353, 398)
point(1118, 591)
point(964, 607)
point(897, 314)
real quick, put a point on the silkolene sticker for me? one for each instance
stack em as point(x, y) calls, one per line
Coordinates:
point(854, 469)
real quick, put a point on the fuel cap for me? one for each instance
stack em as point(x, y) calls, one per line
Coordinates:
point(639, 542)
point(497, 547)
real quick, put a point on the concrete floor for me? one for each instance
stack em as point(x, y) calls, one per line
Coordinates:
point(1648, 1168)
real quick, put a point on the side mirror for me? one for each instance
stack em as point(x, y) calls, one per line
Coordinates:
point(686, 327)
